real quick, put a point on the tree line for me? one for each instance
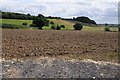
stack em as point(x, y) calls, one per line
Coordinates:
point(82, 19)
point(10, 15)
point(40, 20)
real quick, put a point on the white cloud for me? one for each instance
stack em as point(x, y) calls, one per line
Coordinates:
point(97, 10)
point(77, 1)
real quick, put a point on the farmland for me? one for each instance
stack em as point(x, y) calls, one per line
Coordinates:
point(68, 24)
point(99, 46)
point(16, 21)
point(31, 51)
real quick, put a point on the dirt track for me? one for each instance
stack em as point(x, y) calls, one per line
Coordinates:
point(56, 68)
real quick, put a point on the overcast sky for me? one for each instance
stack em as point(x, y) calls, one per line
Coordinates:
point(102, 11)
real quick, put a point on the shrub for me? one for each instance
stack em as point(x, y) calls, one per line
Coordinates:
point(78, 26)
point(46, 22)
point(13, 26)
point(107, 29)
point(119, 29)
point(62, 26)
point(56, 27)
point(24, 23)
point(53, 27)
point(51, 22)
point(106, 24)
point(32, 25)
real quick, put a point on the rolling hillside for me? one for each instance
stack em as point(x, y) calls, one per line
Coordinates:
point(16, 21)
point(68, 24)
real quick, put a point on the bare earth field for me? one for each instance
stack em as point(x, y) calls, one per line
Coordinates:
point(72, 44)
point(22, 50)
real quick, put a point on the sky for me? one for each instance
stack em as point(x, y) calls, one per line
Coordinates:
point(102, 11)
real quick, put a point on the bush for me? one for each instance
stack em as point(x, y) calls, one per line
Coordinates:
point(53, 27)
point(106, 24)
point(107, 29)
point(46, 22)
point(56, 27)
point(32, 25)
point(51, 22)
point(62, 26)
point(78, 26)
point(13, 26)
point(24, 23)
point(119, 29)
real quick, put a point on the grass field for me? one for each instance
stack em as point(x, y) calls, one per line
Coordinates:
point(68, 24)
point(88, 28)
point(16, 21)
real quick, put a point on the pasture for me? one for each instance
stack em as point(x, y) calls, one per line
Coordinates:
point(16, 21)
point(68, 25)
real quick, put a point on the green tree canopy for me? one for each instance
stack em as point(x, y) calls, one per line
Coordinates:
point(78, 26)
point(40, 21)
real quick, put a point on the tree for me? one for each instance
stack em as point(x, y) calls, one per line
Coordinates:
point(46, 22)
point(106, 24)
point(40, 15)
point(40, 21)
point(85, 20)
point(78, 26)
point(73, 18)
point(10, 15)
point(93, 22)
point(28, 14)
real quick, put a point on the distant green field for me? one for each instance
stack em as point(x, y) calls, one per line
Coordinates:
point(16, 21)
point(88, 28)
point(68, 24)
point(56, 21)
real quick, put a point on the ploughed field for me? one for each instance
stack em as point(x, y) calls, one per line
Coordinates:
point(99, 46)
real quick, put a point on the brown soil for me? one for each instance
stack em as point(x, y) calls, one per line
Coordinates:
point(72, 44)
